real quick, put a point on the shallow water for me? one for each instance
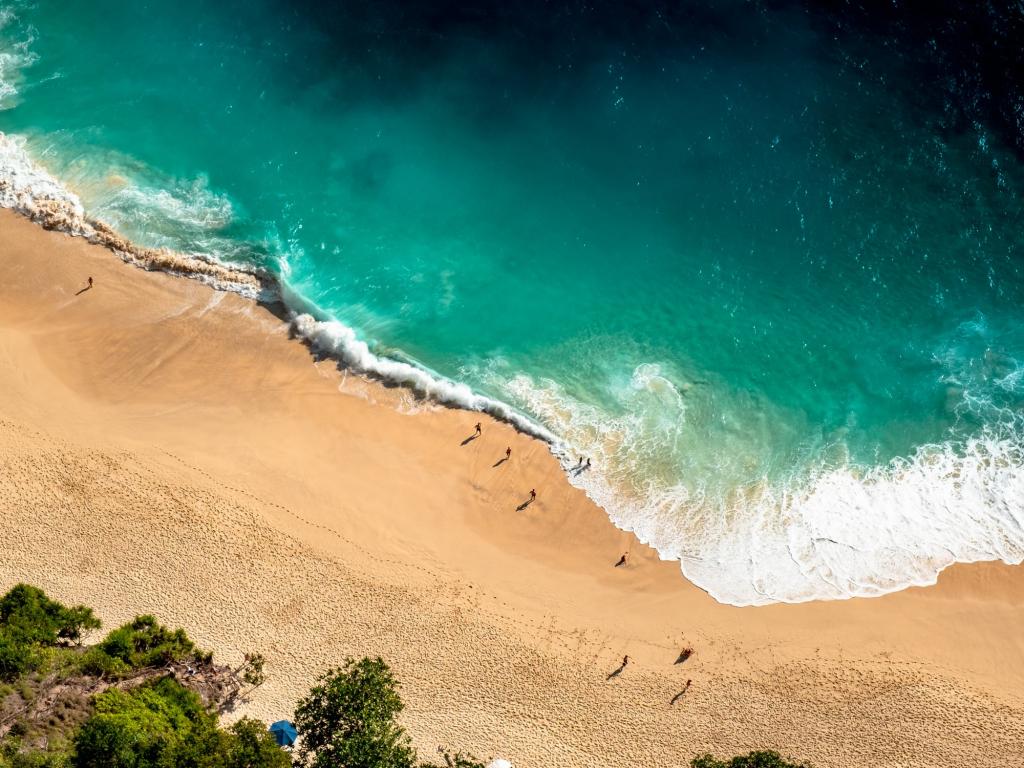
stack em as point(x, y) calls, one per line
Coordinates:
point(759, 271)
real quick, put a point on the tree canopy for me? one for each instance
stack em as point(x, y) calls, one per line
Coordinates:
point(30, 621)
point(348, 720)
point(29, 616)
point(763, 759)
point(164, 725)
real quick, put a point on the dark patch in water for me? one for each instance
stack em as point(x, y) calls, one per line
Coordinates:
point(958, 59)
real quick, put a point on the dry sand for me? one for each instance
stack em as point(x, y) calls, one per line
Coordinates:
point(166, 448)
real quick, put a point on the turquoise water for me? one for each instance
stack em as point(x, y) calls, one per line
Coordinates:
point(760, 276)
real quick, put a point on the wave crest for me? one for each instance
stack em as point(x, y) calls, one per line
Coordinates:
point(842, 532)
point(29, 189)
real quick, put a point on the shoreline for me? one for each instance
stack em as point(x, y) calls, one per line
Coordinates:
point(30, 190)
point(167, 448)
point(34, 193)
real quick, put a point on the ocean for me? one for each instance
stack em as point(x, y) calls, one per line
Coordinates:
point(762, 263)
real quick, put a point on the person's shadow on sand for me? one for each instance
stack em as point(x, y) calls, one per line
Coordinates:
point(87, 288)
point(469, 439)
point(617, 672)
point(532, 498)
point(500, 461)
point(679, 695)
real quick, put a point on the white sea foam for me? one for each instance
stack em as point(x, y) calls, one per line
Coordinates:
point(840, 533)
point(23, 184)
point(28, 188)
point(15, 55)
point(338, 340)
point(32, 191)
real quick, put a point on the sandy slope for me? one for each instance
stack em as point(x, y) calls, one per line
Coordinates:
point(167, 448)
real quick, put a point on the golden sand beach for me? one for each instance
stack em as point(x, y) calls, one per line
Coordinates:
point(167, 448)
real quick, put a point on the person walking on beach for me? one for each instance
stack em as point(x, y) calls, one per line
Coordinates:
point(625, 661)
point(478, 429)
point(508, 453)
point(622, 560)
point(90, 281)
point(533, 494)
point(588, 463)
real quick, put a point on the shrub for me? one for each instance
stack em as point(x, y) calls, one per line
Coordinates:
point(157, 725)
point(15, 656)
point(144, 642)
point(458, 760)
point(252, 669)
point(248, 744)
point(348, 720)
point(99, 664)
point(31, 617)
point(12, 756)
point(752, 760)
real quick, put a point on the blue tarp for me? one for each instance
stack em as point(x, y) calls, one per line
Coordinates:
point(284, 733)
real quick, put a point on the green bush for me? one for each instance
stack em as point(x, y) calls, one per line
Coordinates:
point(11, 756)
point(144, 642)
point(458, 760)
point(248, 744)
point(752, 760)
point(153, 726)
point(96, 663)
point(15, 656)
point(29, 622)
point(33, 618)
point(348, 720)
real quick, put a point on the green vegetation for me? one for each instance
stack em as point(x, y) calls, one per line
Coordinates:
point(250, 745)
point(146, 697)
point(31, 623)
point(119, 703)
point(164, 724)
point(348, 720)
point(752, 760)
point(140, 644)
point(28, 616)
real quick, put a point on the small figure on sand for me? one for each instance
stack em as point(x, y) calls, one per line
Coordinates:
point(684, 654)
point(580, 462)
point(479, 429)
point(508, 453)
point(588, 463)
point(90, 281)
point(529, 501)
point(679, 695)
point(622, 666)
point(622, 560)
